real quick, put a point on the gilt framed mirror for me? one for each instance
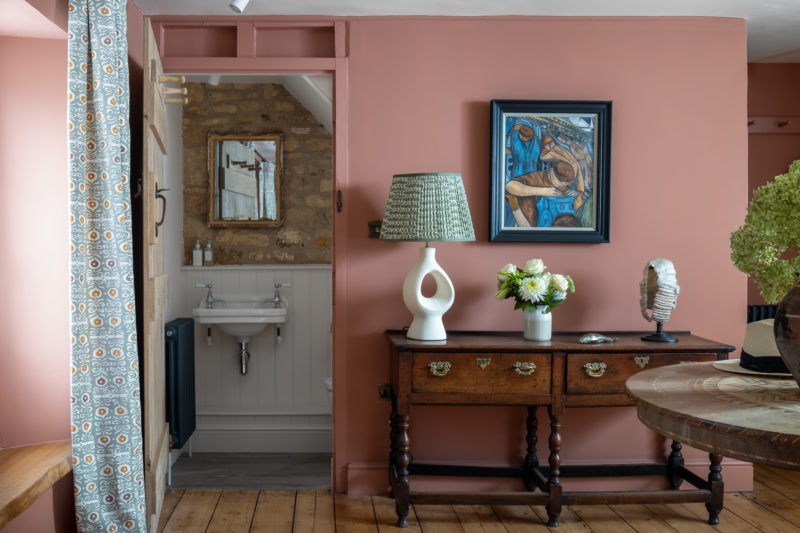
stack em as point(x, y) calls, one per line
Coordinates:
point(245, 175)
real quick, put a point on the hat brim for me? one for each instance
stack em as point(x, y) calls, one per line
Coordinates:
point(732, 365)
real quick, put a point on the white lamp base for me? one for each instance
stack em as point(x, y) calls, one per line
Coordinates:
point(427, 324)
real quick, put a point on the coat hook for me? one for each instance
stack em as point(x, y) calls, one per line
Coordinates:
point(174, 79)
point(751, 122)
point(175, 90)
point(784, 123)
point(163, 198)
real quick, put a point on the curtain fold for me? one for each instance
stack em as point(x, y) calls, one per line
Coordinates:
point(105, 395)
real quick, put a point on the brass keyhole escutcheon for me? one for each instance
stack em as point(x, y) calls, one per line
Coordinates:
point(483, 362)
point(641, 360)
point(595, 369)
point(439, 368)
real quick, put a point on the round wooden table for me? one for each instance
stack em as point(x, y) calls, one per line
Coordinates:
point(751, 418)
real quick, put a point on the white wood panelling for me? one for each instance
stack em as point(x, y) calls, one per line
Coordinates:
point(281, 404)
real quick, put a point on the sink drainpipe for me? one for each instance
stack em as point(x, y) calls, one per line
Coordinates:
point(244, 355)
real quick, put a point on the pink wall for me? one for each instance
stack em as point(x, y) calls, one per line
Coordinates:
point(34, 272)
point(419, 100)
point(55, 10)
point(771, 92)
point(413, 95)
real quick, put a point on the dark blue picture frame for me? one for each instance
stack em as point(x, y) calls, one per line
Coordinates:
point(551, 171)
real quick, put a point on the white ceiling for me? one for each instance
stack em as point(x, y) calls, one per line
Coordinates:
point(773, 26)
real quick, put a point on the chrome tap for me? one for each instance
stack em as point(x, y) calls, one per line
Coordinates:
point(276, 300)
point(209, 297)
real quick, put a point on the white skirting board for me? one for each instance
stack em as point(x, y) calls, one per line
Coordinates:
point(267, 440)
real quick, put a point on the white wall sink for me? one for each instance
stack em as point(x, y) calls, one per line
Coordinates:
point(240, 316)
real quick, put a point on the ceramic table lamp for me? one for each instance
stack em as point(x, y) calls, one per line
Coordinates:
point(427, 207)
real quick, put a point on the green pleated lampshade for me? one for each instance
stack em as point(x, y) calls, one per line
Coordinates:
point(429, 206)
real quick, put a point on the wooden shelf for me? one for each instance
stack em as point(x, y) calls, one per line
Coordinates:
point(27, 472)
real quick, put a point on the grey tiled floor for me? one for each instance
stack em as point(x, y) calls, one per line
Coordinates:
point(256, 471)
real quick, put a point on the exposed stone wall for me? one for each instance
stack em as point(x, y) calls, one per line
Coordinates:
point(232, 108)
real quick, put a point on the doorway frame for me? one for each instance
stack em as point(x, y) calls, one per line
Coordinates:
point(245, 62)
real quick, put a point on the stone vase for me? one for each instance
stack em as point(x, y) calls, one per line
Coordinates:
point(537, 324)
point(787, 331)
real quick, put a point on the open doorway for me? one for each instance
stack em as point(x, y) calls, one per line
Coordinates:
point(268, 428)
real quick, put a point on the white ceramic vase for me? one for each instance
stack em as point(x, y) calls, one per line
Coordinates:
point(538, 324)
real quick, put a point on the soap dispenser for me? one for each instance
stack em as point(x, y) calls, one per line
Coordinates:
point(197, 255)
point(208, 255)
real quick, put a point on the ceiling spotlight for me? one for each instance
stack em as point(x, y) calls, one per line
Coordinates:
point(238, 5)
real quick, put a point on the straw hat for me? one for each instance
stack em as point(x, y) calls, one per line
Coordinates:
point(760, 355)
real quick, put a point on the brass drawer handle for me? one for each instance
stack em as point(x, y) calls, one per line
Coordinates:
point(524, 368)
point(439, 368)
point(641, 360)
point(595, 370)
point(483, 362)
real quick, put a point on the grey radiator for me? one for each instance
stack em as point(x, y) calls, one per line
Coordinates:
point(179, 379)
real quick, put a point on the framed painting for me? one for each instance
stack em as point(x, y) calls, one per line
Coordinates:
point(551, 163)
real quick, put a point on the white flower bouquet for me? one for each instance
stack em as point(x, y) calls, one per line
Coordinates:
point(532, 286)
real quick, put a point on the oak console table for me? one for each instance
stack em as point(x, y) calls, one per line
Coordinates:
point(499, 368)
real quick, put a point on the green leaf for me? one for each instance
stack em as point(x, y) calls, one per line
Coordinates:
point(766, 246)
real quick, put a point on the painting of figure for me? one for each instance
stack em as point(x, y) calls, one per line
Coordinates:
point(550, 183)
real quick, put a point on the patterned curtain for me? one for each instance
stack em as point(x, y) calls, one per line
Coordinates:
point(106, 407)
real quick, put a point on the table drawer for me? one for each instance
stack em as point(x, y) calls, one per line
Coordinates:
point(481, 373)
point(606, 373)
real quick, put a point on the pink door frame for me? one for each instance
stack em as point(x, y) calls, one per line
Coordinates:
point(246, 63)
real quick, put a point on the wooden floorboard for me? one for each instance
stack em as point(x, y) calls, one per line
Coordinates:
point(601, 519)
point(478, 519)
point(776, 502)
point(234, 512)
point(355, 514)
point(642, 519)
point(194, 511)
point(274, 512)
point(438, 519)
point(171, 500)
point(757, 515)
point(519, 519)
point(324, 513)
point(771, 508)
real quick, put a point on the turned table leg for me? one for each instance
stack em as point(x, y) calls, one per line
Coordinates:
point(554, 481)
point(717, 488)
point(403, 460)
point(393, 447)
point(531, 461)
point(675, 460)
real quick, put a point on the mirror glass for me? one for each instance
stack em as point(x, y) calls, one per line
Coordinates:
point(245, 180)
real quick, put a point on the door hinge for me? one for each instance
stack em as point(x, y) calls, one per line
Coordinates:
point(339, 201)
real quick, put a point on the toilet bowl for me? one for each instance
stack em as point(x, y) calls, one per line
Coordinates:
point(329, 386)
